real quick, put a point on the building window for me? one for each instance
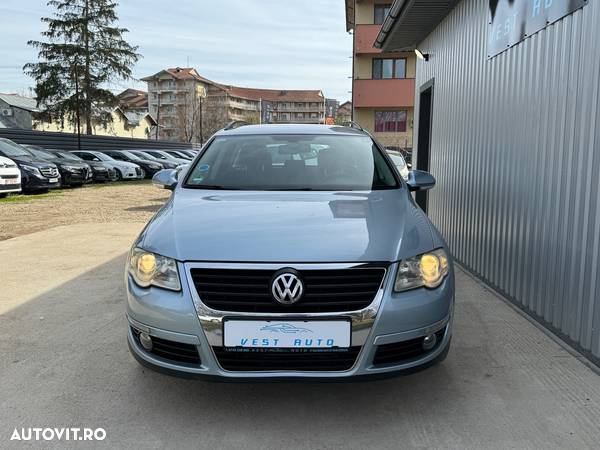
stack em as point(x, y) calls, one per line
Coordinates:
point(390, 121)
point(381, 12)
point(385, 69)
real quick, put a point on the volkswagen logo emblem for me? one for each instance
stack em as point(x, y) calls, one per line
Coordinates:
point(287, 287)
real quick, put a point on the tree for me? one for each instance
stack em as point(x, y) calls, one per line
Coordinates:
point(189, 114)
point(84, 51)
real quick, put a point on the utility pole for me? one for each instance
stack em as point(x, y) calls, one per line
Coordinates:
point(77, 113)
point(158, 109)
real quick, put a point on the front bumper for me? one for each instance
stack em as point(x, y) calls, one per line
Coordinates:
point(180, 317)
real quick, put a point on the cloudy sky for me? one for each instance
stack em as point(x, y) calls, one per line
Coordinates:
point(290, 44)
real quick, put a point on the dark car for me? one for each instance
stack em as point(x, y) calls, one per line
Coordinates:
point(101, 172)
point(166, 163)
point(36, 174)
point(150, 167)
point(73, 173)
point(178, 154)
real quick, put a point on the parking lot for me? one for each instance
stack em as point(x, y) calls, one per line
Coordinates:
point(65, 361)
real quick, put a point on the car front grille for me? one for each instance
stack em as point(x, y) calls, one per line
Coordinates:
point(401, 352)
point(49, 172)
point(325, 290)
point(253, 360)
point(171, 350)
point(8, 177)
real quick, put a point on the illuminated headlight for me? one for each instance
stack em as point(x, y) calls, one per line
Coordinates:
point(426, 270)
point(149, 269)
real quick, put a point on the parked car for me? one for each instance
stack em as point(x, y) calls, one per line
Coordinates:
point(37, 175)
point(399, 162)
point(125, 170)
point(322, 267)
point(189, 153)
point(149, 167)
point(73, 173)
point(165, 162)
point(101, 171)
point(163, 156)
point(10, 177)
point(178, 154)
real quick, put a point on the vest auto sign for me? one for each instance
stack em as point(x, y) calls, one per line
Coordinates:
point(511, 21)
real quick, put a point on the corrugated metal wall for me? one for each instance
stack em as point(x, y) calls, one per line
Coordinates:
point(516, 152)
point(68, 141)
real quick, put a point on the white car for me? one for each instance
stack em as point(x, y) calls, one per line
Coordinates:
point(125, 170)
point(10, 177)
point(399, 162)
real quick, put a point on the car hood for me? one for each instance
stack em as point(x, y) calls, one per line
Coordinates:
point(63, 162)
point(31, 161)
point(244, 226)
point(121, 164)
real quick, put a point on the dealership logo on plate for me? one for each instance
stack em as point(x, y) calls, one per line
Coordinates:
point(286, 328)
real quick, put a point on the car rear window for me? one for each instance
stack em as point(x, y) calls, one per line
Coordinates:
point(292, 162)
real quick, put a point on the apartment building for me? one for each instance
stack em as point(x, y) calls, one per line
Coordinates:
point(189, 107)
point(383, 86)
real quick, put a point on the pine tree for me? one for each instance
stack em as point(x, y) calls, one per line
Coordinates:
point(84, 51)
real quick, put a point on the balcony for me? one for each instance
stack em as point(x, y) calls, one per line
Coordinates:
point(384, 93)
point(365, 36)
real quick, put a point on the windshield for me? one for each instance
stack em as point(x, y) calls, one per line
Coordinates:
point(282, 162)
point(131, 156)
point(70, 156)
point(157, 155)
point(9, 148)
point(39, 153)
point(102, 156)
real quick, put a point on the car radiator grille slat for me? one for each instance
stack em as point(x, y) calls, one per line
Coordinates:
point(325, 290)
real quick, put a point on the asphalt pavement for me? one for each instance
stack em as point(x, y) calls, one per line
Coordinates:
point(65, 363)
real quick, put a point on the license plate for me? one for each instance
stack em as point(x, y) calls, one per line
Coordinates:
point(286, 333)
point(10, 181)
point(53, 180)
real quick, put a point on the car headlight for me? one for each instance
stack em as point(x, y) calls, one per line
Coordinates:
point(31, 169)
point(149, 269)
point(70, 168)
point(426, 270)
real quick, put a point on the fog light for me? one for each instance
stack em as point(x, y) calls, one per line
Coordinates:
point(146, 341)
point(429, 341)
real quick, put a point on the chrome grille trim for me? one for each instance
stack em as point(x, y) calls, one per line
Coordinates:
point(212, 320)
point(49, 172)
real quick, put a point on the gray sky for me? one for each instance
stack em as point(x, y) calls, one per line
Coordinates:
point(293, 44)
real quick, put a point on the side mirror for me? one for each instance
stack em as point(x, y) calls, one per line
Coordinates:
point(165, 179)
point(419, 180)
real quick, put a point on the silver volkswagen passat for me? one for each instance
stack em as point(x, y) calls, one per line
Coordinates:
point(290, 251)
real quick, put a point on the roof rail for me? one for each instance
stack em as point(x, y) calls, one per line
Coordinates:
point(236, 124)
point(353, 124)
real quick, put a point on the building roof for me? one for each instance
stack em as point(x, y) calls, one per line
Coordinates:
point(349, 15)
point(18, 101)
point(179, 73)
point(345, 107)
point(135, 117)
point(273, 95)
point(133, 99)
point(410, 21)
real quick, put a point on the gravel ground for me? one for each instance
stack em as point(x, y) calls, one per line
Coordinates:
point(122, 202)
